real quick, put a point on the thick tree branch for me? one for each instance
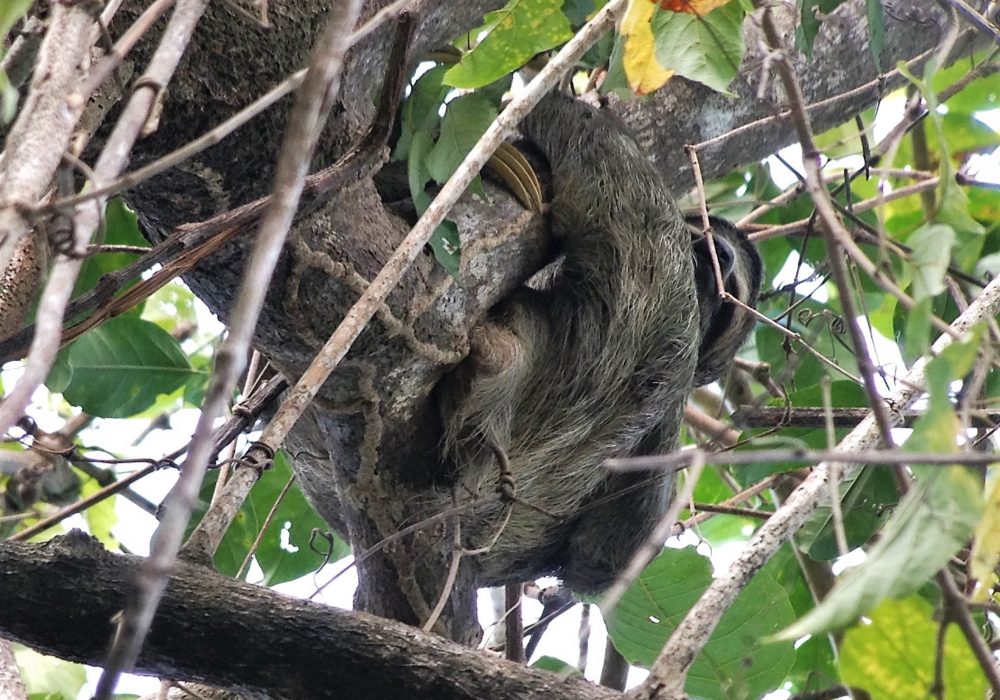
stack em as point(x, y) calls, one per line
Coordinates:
point(61, 597)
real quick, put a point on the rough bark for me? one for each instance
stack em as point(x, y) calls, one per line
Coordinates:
point(225, 633)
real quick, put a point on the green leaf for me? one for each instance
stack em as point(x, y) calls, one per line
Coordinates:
point(735, 663)
point(578, 11)
point(447, 247)
point(121, 228)
point(931, 245)
point(876, 31)
point(865, 497)
point(513, 35)
point(918, 329)
point(444, 241)
point(954, 212)
point(10, 12)
point(284, 553)
point(893, 657)
point(933, 521)
point(463, 125)
point(705, 49)
point(551, 663)
point(120, 367)
point(46, 675)
point(101, 516)
point(420, 111)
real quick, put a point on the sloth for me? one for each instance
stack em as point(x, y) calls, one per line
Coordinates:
point(595, 362)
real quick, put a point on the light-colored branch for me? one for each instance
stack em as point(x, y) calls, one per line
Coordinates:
point(668, 674)
point(42, 131)
point(683, 458)
point(11, 685)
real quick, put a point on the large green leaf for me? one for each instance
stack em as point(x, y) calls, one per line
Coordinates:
point(705, 49)
point(735, 663)
point(119, 368)
point(894, 655)
point(934, 520)
point(284, 552)
point(510, 37)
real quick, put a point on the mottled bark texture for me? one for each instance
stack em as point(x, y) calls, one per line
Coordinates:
point(61, 598)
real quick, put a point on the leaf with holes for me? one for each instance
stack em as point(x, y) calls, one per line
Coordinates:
point(510, 37)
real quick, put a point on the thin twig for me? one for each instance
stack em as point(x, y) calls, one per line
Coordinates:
point(449, 581)
point(683, 458)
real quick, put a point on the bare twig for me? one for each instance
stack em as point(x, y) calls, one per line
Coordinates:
point(449, 581)
point(514, 620)
point(684, 458)
point(958, 611)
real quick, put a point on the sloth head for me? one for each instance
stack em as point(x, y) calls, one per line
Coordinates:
point(724, 325)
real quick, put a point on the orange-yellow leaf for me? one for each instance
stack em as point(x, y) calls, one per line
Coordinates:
point(691, 7)
point(643, 71)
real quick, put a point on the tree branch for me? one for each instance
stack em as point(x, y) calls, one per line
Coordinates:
point(215, 630)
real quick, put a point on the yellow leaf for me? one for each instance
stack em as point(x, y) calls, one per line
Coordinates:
point(692, 7)
point(643, 71)
point(986, 545)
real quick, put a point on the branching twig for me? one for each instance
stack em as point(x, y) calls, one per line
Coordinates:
point(684, 458)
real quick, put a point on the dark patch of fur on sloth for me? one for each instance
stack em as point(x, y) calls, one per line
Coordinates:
point(598, 362)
